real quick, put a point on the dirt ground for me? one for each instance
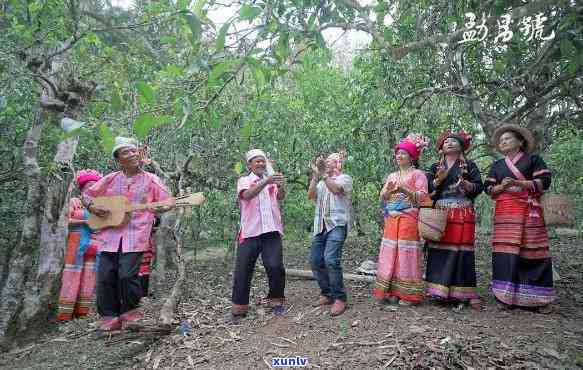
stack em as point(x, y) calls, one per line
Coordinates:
point(368, 335)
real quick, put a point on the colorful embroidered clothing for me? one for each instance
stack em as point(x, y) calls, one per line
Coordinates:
point(522, 266)
point(451, 266)
point(399, 268)
point(260, 214)
point(147, 259)
point(333, 209)
point(143, 187)
point(78, 281)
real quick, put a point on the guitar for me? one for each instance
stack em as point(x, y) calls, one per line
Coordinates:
point(120, 208)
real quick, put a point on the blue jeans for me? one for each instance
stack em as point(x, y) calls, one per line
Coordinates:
point(326, 265)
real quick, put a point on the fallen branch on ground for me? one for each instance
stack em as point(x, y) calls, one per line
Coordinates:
point(308, 275)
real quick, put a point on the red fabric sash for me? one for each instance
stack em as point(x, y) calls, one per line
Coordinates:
point(533, 202)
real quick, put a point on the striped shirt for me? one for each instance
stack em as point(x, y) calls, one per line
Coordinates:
point(333, 209)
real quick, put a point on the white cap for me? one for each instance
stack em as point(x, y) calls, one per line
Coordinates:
point(255, 153)
point(123, 142)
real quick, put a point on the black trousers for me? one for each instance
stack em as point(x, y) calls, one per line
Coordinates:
point(119, 288)
point(269, 246)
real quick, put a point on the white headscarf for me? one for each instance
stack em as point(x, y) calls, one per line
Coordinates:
point(123, 142)
point(255, 153)
point(260, 153)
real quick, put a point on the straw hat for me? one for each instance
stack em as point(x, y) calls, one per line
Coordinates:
point(522, 131)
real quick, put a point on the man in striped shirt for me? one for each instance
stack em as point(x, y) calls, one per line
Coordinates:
point(332, 191)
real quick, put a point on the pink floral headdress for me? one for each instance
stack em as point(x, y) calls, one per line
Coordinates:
point(84, 176)
point(414, 144)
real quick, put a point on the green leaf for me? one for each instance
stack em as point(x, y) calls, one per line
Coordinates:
point(219, 70)
point(116, 102)
point(183, 4)
point(146, 92)
point(220, 44)
point(107, 139)
point(499, 67)
point(238, 168)
point(388, 35)
point(567, 49)
point(246, 131)
point(320, 41)
point(214, 119)
point(198, 8)
point(147, 121)
point(312, 23)
point(283, 45)
point(248, 12)
point(259, 77)
point(195, 27)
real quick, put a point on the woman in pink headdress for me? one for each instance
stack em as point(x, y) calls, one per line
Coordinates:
point(78, 282)
point(399, 275)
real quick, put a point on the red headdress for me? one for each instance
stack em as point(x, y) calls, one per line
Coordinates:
point(463, 137)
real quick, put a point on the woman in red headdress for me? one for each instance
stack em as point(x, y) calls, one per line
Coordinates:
point(399, 270)
point(454, 183)
point(78, 282)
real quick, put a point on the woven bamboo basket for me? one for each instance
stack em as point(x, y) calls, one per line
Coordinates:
point(432, 222)
point(558, 210)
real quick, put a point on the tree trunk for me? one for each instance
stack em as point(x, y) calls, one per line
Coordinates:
point(41, 293)
point(21, 262)
point(169, 306)
point(164, 243)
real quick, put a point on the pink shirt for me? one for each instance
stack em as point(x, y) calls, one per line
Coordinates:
point(415, 180)
point(260, 214)
point(141, 188)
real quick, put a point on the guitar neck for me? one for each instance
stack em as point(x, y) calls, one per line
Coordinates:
point(138, 207)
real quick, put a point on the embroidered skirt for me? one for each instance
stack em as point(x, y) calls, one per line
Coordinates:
point(79, 280)
point(399, 268)
point(451, 266)
point(522, 273)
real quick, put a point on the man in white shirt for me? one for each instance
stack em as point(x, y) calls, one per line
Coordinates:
point(332, 191)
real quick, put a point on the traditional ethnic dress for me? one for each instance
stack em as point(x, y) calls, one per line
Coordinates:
point(78, 282)
point(146, 267)
point(399, 269)
point(451, 267)
point(522, 273)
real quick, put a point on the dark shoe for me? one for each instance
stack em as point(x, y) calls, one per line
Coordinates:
point(338, 308)
point(545, 310)
point(323, 301)
point(232, 318)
